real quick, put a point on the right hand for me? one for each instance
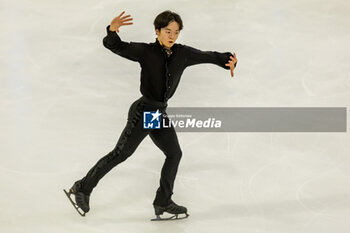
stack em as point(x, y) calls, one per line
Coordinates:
point(119, 21)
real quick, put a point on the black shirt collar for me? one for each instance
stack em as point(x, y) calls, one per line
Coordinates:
point(173, 48)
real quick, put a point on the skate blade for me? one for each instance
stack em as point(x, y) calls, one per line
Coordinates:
point(174, 217)
point(76, 207)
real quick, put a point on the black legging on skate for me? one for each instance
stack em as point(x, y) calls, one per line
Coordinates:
point(130, 138)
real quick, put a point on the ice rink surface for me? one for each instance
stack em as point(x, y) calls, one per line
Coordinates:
point(64, 100)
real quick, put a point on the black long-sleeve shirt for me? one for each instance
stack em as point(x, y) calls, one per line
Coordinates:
point(160, 73)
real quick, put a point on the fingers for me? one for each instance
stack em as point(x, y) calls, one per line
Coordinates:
point(125, 20)
point(233, 58)
point(121, 14)
point(122, 19)
point(231, 68)
point(126, 16)
point(117, 19)
point(231, 63)
point(126, 24)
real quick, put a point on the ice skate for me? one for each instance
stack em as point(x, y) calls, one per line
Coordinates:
point(81, 203)
point(172, 208)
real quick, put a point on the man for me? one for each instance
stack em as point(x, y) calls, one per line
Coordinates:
point(162, 64)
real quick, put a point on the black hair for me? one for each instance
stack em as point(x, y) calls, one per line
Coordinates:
point(163, 19)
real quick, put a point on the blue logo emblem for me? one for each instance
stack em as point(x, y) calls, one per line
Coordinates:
point(151, 120)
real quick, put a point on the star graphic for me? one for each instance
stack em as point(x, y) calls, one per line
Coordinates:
point(155, 115)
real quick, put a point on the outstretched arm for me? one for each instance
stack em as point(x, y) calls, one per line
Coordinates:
point(112, 41)
point(196, 56)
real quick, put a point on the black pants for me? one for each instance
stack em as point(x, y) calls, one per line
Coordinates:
point(132, 135)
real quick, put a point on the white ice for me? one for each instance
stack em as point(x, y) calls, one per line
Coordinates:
point(64, 100)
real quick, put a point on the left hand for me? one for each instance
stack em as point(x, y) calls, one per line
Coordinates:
point(232, 63)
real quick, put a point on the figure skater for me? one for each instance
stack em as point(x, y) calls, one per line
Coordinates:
point(162, 64)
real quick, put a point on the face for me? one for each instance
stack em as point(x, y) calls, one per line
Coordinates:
point(169, 34)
